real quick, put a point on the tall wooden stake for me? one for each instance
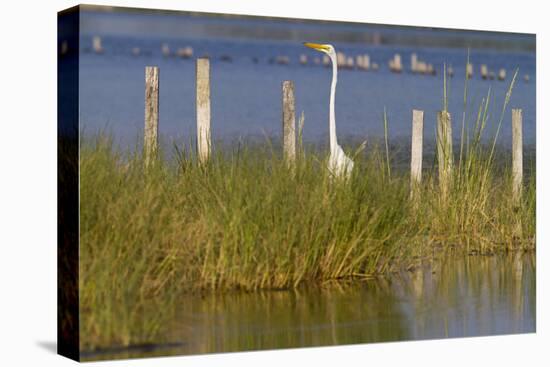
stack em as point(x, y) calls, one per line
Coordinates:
point(289, 123)
point(517, 155)
point(203, 109)
point(150, 135)
point(416, 151)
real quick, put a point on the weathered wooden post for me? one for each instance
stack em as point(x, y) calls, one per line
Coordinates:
point(289, 123)
point(414, 63)
point(416, 151)
point(150, 143)
point(395, 64)
point(502, 74)
point(366, 62)
point(444, 151)
point(203, 109)
point(484, 71)
point(469, 70)
point(450, 71)
point(517, 155)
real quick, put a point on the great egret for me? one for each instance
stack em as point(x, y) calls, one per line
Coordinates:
point(338, 163)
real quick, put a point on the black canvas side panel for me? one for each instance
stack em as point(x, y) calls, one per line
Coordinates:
point(67, 183)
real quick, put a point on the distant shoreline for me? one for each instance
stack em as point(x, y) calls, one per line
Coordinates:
point(275, 28)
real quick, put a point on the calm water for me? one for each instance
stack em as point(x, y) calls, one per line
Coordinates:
point(246, 96)
point(458, 297)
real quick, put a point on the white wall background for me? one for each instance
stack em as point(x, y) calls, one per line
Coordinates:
point(28, 181)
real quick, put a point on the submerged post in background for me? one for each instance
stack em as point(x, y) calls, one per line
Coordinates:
point(444, 151)
point(289, 123)
point(416, 151)
point(203, 109)
point(517, 155)
point(150, 143)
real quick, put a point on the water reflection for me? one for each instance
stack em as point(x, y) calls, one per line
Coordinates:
point(472, 296)
point(456, 297)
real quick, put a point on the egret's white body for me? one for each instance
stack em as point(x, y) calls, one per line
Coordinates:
point(339, 164)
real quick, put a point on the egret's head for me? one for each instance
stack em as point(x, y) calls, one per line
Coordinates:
point(328, 49)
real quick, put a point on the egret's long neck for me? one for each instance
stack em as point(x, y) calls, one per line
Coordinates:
point(332, 115)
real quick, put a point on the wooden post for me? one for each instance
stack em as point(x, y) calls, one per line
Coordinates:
point(502, 74)
point(150, 143)
point(414, 64)
point(203, 109)
point(416, 151)
point(444, 151)
point(484, 71)
point(517, 155)
point(469, 70)
point(289, 123)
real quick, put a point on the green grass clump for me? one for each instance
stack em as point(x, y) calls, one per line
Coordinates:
point(247, 221)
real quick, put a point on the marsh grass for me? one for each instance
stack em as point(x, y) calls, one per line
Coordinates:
point(246, 221)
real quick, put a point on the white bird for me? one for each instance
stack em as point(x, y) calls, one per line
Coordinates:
point(339, 164)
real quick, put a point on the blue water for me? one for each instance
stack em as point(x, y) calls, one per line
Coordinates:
point(246, 96)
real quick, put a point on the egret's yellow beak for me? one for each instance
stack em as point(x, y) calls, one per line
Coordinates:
point(316, 46)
